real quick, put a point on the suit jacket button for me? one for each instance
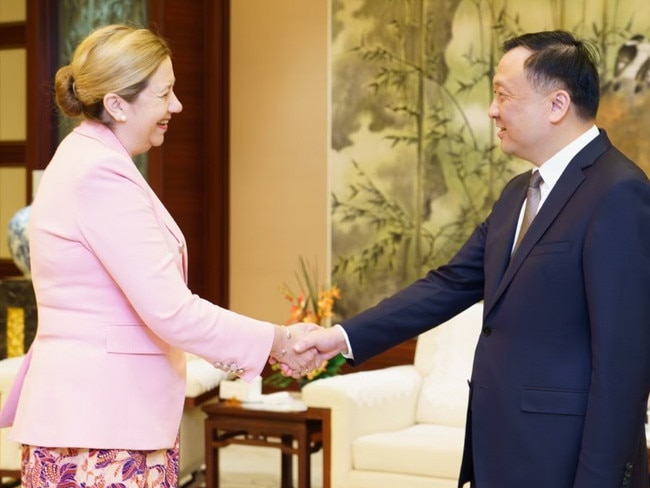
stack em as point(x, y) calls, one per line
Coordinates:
point(487, 331)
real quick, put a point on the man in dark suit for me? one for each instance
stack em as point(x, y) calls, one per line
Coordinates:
point(561, 374)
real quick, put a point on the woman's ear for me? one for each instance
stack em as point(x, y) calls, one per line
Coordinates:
point(560, 103)
point(113, 104)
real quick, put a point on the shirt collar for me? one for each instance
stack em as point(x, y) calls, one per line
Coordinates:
point(552, 169)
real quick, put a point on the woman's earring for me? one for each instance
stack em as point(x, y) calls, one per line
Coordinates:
point(123, 118)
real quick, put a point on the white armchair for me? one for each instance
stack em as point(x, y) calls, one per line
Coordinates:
point(403, 425)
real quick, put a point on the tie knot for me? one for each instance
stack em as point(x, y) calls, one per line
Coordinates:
point(535, 180)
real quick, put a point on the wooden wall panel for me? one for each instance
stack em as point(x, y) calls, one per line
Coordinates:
point(42, 51)
point(12, 35)
point(38, 36)
point(190, 170)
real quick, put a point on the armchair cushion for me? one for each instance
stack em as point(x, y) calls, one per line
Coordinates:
point(412, 451)
point(444, 356)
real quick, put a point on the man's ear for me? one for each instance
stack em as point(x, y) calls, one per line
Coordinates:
point(113, 104)
point(560, 103)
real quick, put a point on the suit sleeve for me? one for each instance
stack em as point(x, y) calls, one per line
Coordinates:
point(443, 293)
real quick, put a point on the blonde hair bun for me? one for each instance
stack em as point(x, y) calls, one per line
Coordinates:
point(65, 92)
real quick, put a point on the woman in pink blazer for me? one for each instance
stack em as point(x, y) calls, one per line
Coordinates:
point(100, 395)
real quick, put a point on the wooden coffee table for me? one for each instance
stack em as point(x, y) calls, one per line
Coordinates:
point(294, 433)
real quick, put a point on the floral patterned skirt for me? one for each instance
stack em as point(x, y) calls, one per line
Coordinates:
point(98, 468)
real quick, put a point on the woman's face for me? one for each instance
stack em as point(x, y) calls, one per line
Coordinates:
point(148, 116)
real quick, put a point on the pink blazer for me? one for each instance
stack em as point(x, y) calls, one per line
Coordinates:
point(109, 266)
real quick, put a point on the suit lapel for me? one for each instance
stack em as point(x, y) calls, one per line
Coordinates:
point(173, 229)
point(501, 236)
point(107, 137)
point(177, 239)
point(571, 179)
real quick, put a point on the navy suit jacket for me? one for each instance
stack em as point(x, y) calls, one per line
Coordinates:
point(561, 375)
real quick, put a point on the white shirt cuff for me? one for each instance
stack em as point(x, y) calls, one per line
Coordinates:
point(349, 354)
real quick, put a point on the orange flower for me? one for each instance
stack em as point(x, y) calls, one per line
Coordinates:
point(312, 304)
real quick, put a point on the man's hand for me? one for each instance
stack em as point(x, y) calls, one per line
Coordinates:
point(328, 342)
point(293, 362)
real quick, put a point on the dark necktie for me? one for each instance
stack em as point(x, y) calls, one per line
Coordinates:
point(532, 202)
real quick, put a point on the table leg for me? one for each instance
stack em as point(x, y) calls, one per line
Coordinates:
point(287, 462)
point(211, 458)
point(326, 427)
point(304, 460)
point(215, 471)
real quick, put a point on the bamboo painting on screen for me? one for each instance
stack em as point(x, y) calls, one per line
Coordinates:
point(415, 163)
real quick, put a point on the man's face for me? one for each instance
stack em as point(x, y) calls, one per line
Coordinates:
point(520, 112)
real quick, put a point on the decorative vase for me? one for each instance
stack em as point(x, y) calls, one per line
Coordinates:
point(19, 240)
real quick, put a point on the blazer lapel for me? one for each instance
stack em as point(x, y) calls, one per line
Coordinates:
point(108, 138)
point(176, 232)
point(571, 179)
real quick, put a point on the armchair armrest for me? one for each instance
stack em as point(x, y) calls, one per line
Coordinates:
point(9, 450)
point(361, 403)
point(203, 381)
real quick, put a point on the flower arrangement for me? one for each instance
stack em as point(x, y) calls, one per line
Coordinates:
point(310, 304)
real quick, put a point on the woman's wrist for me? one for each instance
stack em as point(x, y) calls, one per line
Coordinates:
point(281, 341)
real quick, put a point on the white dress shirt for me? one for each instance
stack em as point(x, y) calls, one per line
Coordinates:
point(552, 169)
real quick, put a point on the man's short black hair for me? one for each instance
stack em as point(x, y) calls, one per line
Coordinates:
point(560, 60)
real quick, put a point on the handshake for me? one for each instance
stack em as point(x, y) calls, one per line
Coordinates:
point(303, 347)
